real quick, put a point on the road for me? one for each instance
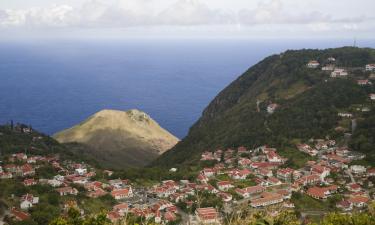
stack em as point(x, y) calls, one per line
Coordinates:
point(350, 175)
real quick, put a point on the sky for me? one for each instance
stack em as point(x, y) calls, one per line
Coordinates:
point(188, 18)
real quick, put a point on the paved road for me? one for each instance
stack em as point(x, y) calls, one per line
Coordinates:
point(350, 175)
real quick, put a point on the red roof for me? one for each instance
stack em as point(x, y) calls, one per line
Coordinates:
point(207, 213)
point(20, 215)
point(170, 216)
point(120, 192)
point(224, 183)
point(358, 199)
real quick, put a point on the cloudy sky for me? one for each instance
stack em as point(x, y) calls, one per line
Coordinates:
point(211, 18)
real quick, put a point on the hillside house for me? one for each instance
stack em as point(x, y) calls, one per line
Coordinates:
point(29, 182)
point(328, 67)
point(248, 191)
point(354, 187)
point(224, 185)
point(285, 174)
point(338, 72)
point(344, 205)
point(358, 169)
point(239, 174)
point(267, 199)
point(363, 82)
point(19, 215)
point(226, 197)
point(370, 67)
point(313, 64)
point(28, 200)
point(207, 215)
point(272, 107)
point(321, 192)
point(359, 201)
point(122, 193)
point(67, 191)
point(345, 115)
point(272, 156)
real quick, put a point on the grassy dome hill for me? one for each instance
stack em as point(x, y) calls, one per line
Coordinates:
point(120, 138)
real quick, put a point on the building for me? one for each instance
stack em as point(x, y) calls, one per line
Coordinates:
point(285, 173)
point(308, 180)
point(370, 67)
point(321, 192)
point(272, 107)
point(29, 182)
point(19, 215)
point(121, 208)
point(328, 67)
point(266, 200)
point(28, 200)
point(338, 72)
point(224, 185)
point(345, 115)
point(358, 169)
point(359, 201)
point(272, 156)
point(122, 193)
point(207, 215)
point(239, 174)
point(313, 64)
point(67, 191)
point(344, 205)
point(354, 187)
point(363, 82)
point(246, 192)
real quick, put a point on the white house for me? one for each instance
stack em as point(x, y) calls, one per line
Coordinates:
point(328, 67)
point(271, 108)
point(28, 200)
point(339, 73)
point(81, 171)
point(370, 67)
point(358, 169)
point(313, 64)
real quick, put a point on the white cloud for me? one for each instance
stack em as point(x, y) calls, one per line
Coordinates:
point(186, 13)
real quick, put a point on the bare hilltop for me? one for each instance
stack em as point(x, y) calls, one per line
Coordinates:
point(120, 139)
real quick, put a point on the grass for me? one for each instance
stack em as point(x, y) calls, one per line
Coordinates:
point(96, 205)
point(244, 183)
point(303, 202)
point(297, 159)
point(292, 91)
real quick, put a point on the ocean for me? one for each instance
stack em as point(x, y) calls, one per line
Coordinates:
point(55, 84)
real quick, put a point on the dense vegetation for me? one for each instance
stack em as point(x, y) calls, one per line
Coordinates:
point(13, 140)
point(309, 103)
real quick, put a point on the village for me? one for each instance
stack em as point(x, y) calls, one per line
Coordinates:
point(232, 180)
point(256, 178)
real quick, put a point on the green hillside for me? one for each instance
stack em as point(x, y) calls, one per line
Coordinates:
point(309, 102)
point(13, 140)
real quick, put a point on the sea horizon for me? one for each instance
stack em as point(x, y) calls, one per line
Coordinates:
point(55, 84)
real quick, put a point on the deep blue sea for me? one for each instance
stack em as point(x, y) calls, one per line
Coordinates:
point(54, 84)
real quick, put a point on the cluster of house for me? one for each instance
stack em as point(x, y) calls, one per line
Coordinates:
point(256, 177)
point(262, 165)
point(337, 72)
point(275, 182)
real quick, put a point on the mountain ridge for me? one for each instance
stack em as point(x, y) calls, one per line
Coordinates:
point(231, 119)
